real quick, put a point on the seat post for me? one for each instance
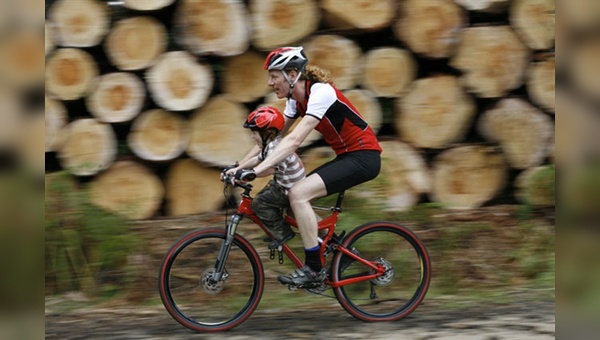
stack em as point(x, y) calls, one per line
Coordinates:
point(338, 204)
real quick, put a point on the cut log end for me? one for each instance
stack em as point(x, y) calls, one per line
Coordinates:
point(159, 135)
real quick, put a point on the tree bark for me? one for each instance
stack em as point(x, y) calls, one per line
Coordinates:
point(533, 20)
point(147, 5)
point(178, 82)
point(56, 119)
point(493, 60)
point(489, 6)
point(435, 113)
point(524, 132)
point(135, 43)
point(278, 23)
point(79, 23)
point(218, 137)
point(22, 64)
point(118, 97)
point(430, 28)
point(192, 188)
point(338, 55)
point(541, 83)
point(89, 147)
point(244, 78)
point(360, 14)
point(70, 73)
point(388, 71)
point(466, 176)
point(218, 27)
point(128, 188)
point(536, 186)
point(158, 135)
point(368, 106)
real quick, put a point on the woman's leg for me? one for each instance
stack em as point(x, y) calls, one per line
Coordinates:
point(301, 194)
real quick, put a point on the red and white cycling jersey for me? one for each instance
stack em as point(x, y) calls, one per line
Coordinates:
point(343, 128)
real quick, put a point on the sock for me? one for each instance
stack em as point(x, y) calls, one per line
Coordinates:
point(313, 260)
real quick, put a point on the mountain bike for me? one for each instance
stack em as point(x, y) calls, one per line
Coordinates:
point(213, 279)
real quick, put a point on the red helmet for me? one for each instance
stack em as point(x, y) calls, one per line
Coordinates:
point(265, 118)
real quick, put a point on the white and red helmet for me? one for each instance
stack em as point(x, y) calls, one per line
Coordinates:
point(286, 58)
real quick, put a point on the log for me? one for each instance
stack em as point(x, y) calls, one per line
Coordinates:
point(388, 71)
point(218, 137)
point(541, 83)
point(56, 119)
point(31, 144)
point(22, 63)
point(79, 23)
point(178, 82)
point(467, 176)
point(435, 113)
point(118, 97)
point(537, 186)
point(89, 147)
point(11, 113)
point(579, 15)
point(430, 28)
point(135, 43)
point(315, 157)
point(277, 23)
point(49, 37)
point(577, 125)
point(523, 131)
point(70, 73)
point(360, 14)
point(272, 100)
point(493, 60)
point(192, 188)
point(533, 20)
point(487, 6)
point(217, 27)
point(583, 67)
point(244, 78)
point(129, 189)
point(147, 5)
point(368, 106)
point(403, 179)
point(158, 135)
point(28, 13)
point(338, 55)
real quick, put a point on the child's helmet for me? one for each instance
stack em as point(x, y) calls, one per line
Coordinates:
point(264, 118)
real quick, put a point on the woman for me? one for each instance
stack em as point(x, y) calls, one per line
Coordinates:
point(311, 95)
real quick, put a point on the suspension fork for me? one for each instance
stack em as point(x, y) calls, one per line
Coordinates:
point(226, 247)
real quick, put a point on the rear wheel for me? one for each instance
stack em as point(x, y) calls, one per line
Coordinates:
point(191, 294)
point(403, 285)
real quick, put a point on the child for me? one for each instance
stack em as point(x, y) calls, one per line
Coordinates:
point(271, 202)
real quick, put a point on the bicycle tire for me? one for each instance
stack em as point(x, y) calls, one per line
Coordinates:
point(195, 302)
point(400, 290)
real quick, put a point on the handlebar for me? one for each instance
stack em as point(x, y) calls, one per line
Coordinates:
point(230, 180)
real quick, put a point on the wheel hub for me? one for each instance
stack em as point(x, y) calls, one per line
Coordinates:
point(388, 274)
point(208, 283)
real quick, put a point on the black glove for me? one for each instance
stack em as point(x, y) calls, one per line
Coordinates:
point(227, 168)
point(246, 175)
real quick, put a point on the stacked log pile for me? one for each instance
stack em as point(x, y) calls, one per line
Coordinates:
point(145, 100)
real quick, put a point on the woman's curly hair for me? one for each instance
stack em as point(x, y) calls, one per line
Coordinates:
point(316, 74)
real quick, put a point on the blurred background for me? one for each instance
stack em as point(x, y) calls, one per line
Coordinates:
point(144, 102)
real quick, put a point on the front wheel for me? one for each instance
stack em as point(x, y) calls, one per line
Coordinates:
point(404, 283)
point(188, 288)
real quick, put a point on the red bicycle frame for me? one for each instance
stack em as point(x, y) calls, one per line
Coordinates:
point(328, 223)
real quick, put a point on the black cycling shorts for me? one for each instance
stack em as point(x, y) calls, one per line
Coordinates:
point(349, 169)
